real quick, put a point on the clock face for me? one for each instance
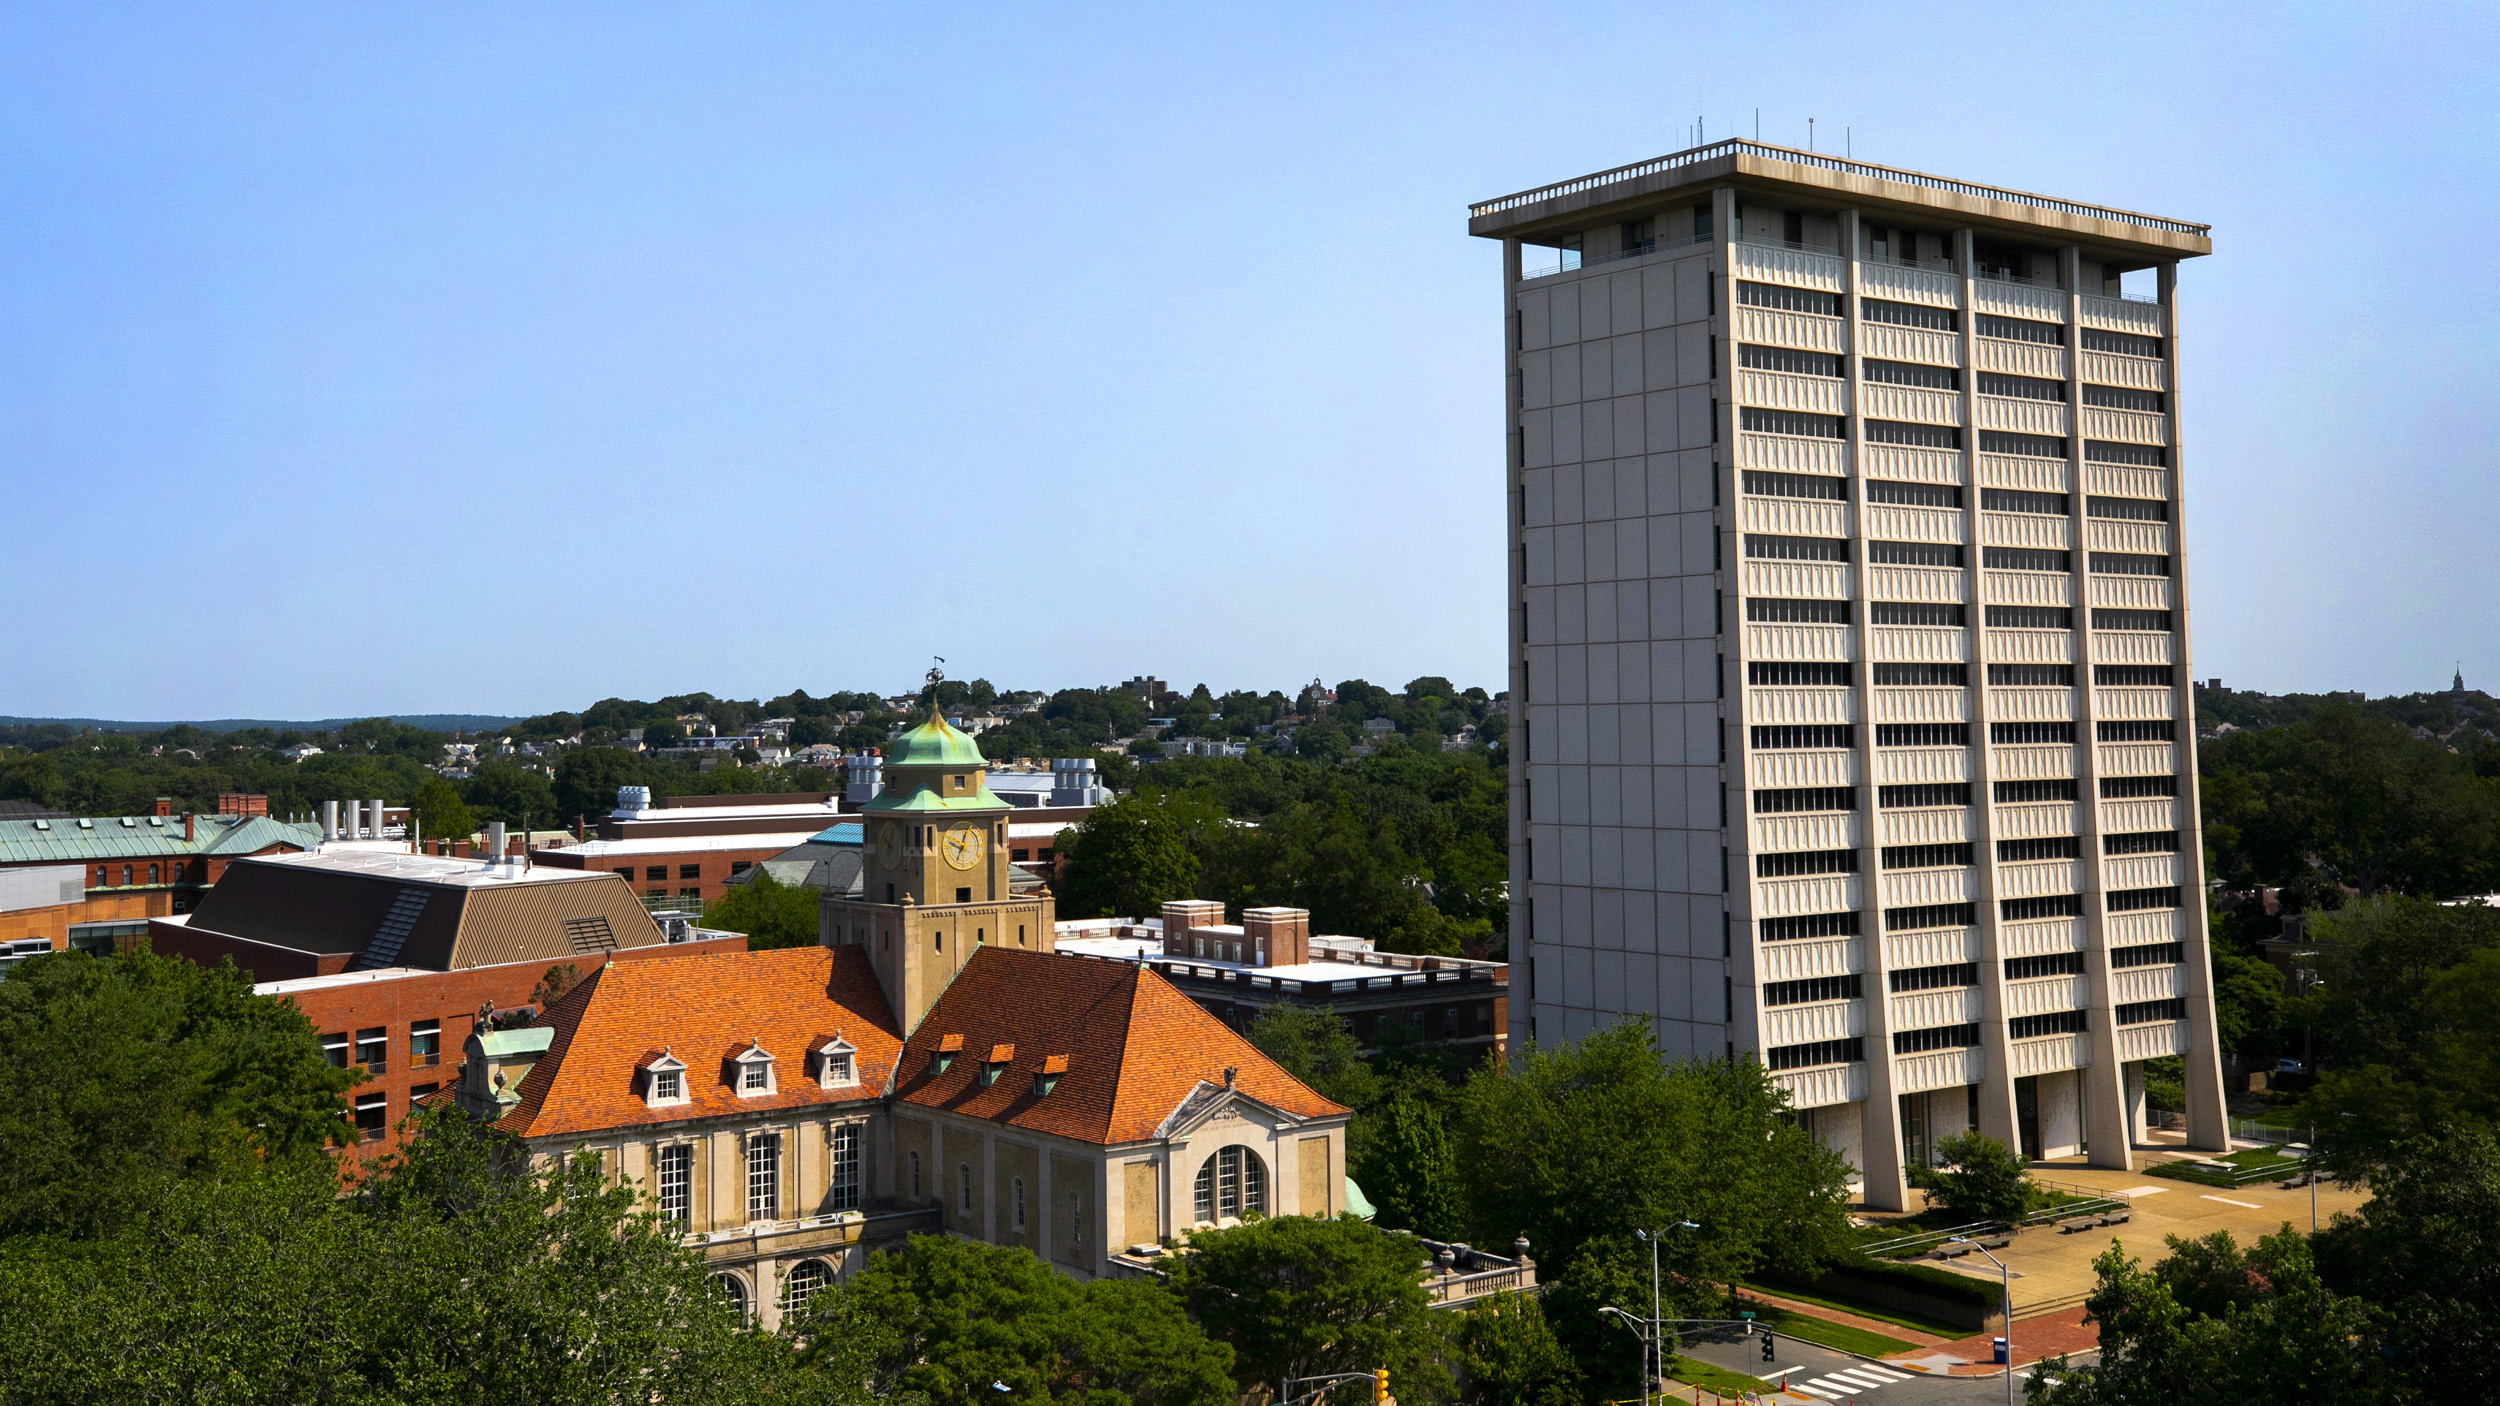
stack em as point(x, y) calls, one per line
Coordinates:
point(961, 846)
point(889, 846)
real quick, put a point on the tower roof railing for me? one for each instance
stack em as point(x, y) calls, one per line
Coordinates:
point(1663, 165)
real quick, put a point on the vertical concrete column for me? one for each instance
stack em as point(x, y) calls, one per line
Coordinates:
point(1996, 1086)
point(2209, 1119)
point(2103, 1082)
point(1742, 963)
point(1515, 592)
point(1879, 1121)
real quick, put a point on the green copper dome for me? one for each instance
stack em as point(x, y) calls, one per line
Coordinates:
point(934, 743)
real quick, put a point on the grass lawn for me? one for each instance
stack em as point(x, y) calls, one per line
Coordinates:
point(1822, 1330)
point(1709, 1378)
point(1934, 1326)
point(2247, 1157)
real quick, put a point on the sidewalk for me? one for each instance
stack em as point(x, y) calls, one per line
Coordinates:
point(1849, 1320)
point(2048, 1335)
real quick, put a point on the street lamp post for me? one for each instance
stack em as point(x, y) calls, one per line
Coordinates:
point(1647, 1328)
point(2007, 1276)
point(1657, 1333)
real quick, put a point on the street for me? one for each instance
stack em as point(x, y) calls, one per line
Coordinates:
point(1820, 1373)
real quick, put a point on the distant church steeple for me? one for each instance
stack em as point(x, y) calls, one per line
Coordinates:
point(2459, 685)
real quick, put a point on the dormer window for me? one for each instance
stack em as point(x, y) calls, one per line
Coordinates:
point(837, 1064)
point(1046, 1078)
point(1000, 1057)
point(752, 1070)
point(663, 1079)
point(943, 1057)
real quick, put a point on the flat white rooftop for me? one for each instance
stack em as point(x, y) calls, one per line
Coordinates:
point(324, 983)
point(422, 868)
point(687, 844)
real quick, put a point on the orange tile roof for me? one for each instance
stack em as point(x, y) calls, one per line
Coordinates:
point(725, 1001)
point(1134, 1049)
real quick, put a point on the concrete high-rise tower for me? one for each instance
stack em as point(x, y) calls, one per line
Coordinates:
point(1848, 626)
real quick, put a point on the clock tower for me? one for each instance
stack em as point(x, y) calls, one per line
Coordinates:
point(934, 877)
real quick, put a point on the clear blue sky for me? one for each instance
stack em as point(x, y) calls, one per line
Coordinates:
point(382, 358)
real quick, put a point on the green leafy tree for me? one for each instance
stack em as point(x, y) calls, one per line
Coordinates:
point(769, 912)
point(441, 814)
point(1572, 1143)
point(515, 795)
point(273, 1288)
point(121, 1077)
point(1579, 1146)
point(1410, 1171)
point(1124, 860)
point(1977, 1178)
point(1509, 1356)
point(2282, 1335)
point(1318, 1048)
point(2404, 1010)
point(953, 1317)
point(2424, 1251)
point(1297, 1296)
point(587, 779)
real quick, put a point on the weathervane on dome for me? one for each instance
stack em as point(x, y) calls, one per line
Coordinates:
point(937, 675)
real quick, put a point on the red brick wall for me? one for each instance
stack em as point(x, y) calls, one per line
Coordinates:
point(713, 868)
point(452, 998)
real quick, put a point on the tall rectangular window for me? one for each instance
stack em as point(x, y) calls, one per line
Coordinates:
point(373, 1048)
point(763, 1176)
point(677, 1186)
point(846, 1167)
point(373, 1113)
point(425, 1044)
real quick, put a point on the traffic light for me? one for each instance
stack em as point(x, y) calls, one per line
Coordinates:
point(1769, 1344)
point(1380, 1384)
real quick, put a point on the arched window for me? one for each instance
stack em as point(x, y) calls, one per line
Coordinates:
point(152, 873)
point(734, 1287)
point(1232, 1184)
point(804, 1279)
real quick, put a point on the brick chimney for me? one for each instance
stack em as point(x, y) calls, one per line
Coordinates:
point(1278, 937)
point(1182, 914)
point(188, 833)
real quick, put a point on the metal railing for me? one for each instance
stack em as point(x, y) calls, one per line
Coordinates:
point(1695, 156)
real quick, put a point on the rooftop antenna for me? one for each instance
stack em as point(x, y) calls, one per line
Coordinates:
point(1849, 137)
point(1757, 124)
point(1809, 134)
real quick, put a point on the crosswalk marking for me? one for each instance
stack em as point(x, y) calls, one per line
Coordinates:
point(1855, 1378)
point(1810, 1390)
point(1878, 1373)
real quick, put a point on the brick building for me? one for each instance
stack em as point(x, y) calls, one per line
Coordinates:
point(135, 867)
point(688, 848)
point(394, 956)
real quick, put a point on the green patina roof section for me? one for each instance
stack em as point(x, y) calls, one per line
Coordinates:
point(934, 743)
point(927, 800)
point(145, 837)
point(531, 1039)
point(1357, 1202)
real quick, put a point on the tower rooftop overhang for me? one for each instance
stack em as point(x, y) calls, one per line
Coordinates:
point(1547, 213)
